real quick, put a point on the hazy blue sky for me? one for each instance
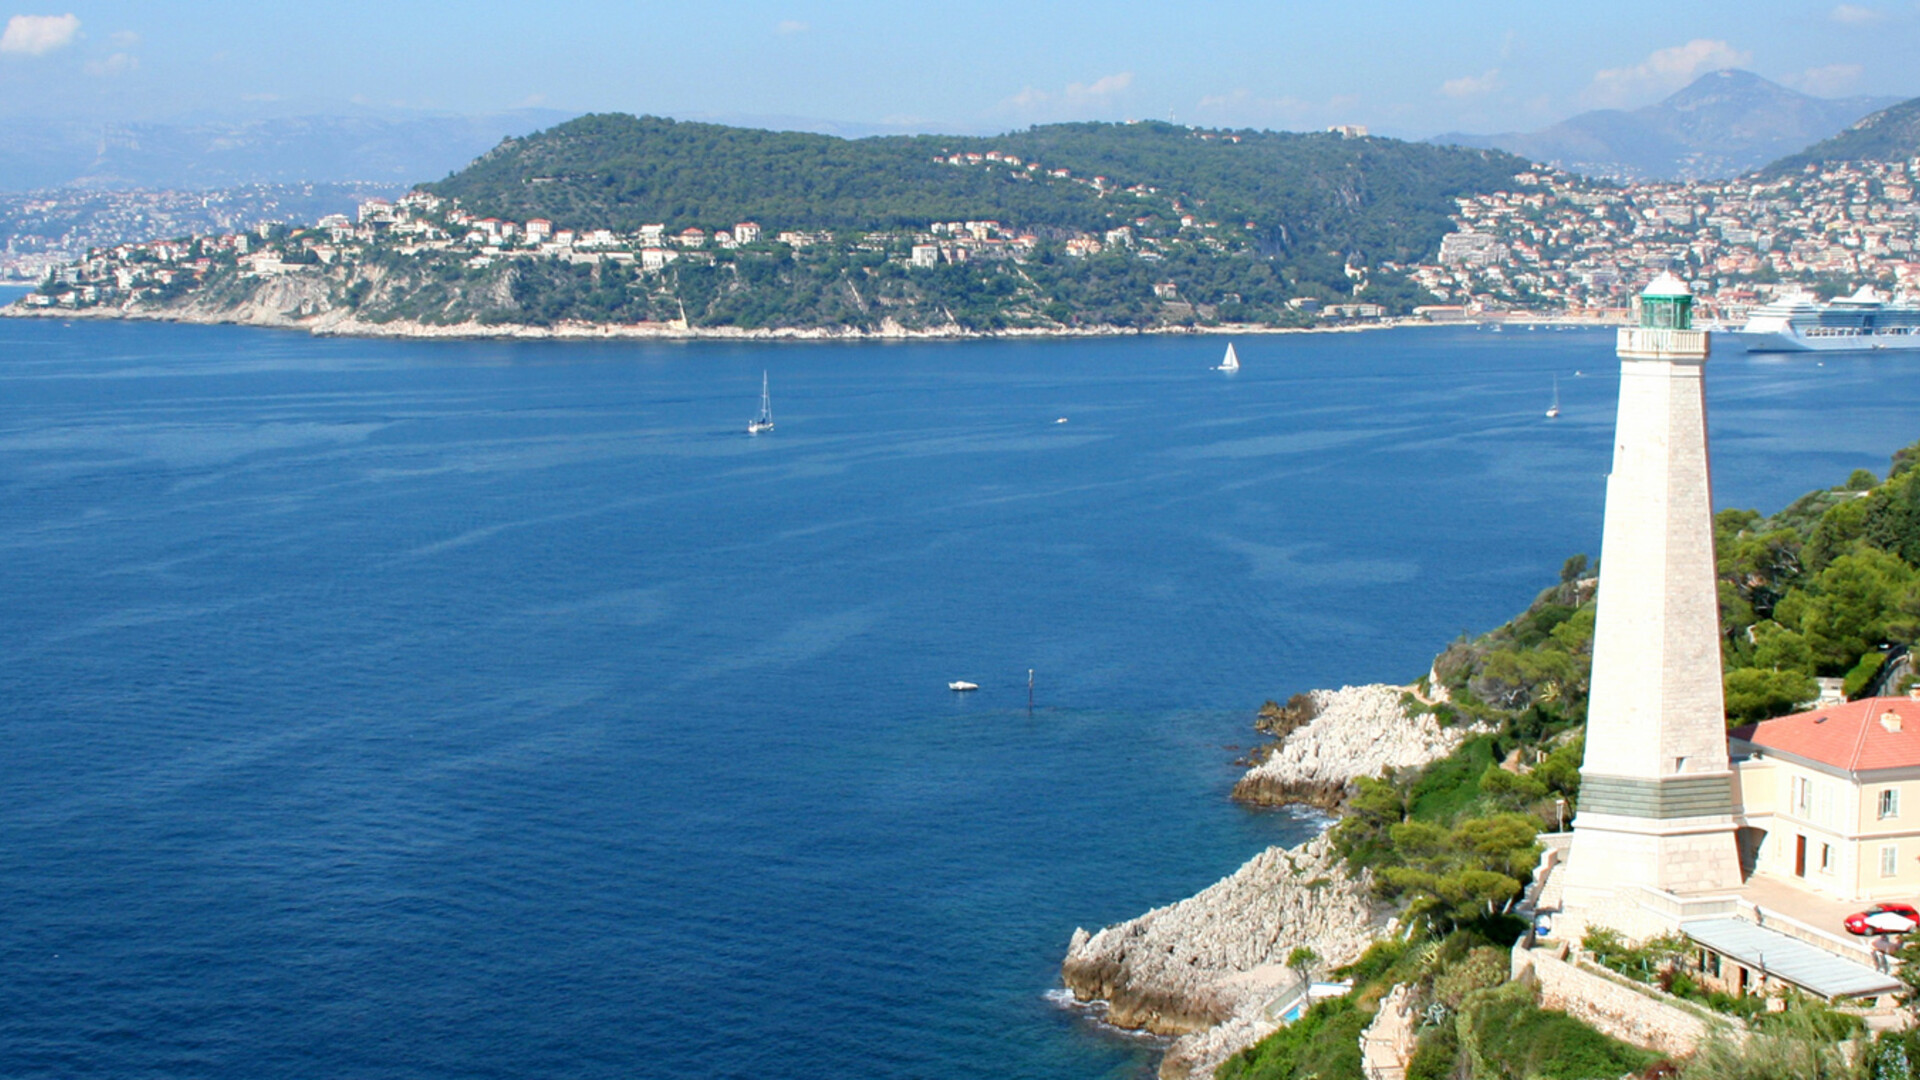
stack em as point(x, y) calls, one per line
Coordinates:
point(1404, 68)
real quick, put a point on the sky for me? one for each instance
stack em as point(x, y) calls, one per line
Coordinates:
point(1402, 68)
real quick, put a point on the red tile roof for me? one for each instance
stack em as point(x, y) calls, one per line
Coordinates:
point(1849, 736)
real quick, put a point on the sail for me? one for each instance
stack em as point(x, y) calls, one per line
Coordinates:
point(763, 422)
point(1232, 362)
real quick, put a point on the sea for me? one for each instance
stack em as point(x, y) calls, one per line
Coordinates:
point(422, 709)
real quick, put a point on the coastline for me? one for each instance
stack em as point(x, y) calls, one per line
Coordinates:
point(335, 323)
point(1211, 970)
point(1354, 731)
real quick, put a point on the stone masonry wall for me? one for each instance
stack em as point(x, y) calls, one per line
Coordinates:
point(1609, 1007)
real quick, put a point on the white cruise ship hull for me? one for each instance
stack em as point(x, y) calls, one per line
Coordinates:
point(1824, 339)
point(1861, 323)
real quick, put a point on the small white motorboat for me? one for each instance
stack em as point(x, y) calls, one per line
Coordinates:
point(962, 684)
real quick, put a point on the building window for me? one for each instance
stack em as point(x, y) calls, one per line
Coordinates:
point(1802, 797)
point(1889, 803)
point(1889, 860)
point(1826, 858)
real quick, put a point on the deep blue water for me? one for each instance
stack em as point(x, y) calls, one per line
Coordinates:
point(455, 709)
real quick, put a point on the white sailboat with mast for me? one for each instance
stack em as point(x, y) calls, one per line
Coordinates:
point(763, 422)
point(1232, 361)
point(1553, 410)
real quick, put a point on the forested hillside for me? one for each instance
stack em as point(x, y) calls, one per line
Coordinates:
point(612, 219)
point(1827, 587)
point(1377, 199)
point(1892, 134)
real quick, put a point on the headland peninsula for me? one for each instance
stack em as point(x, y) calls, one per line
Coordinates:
point(662, 228)
point(641, 227)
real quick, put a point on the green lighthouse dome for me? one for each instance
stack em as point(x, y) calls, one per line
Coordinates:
point(1666, 304)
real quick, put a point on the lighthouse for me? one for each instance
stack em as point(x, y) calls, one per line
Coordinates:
point(1656, 791)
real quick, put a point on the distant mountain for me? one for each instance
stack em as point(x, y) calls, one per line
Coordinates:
point(1726, 123)
point(38, 154)
point(1892, 134)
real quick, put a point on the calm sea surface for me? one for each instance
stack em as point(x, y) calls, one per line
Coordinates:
point(487, 710)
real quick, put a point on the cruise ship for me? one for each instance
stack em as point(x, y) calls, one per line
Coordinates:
point(1863, 322)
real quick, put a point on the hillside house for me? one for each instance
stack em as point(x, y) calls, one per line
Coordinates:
point(1830, 798)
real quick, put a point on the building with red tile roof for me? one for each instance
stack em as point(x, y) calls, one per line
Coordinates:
point(1830, 797)
point(1852, 738)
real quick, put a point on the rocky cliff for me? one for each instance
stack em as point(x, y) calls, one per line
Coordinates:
point(1355, 731)
point(1212, 967)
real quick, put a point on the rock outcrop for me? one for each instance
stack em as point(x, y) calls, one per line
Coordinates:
point(1211, 967)
point(1388, 1043)
point(1355, 731)
point(1281, 721)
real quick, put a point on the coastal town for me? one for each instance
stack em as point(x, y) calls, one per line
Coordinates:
point(421, 225)
point(1562, 244)
point(49, 229)
point(1555, 246)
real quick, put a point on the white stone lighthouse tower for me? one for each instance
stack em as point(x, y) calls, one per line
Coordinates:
point(1656, 792)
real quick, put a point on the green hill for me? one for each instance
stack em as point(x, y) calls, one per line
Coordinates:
point(1371, 198)
point(1892, 134)
point(1100, 226)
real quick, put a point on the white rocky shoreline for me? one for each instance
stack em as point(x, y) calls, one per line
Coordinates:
point(1356, 731)
point(338, 323)
point(1211, 969)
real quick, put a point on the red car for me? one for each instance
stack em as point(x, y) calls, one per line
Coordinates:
point(1856, 923)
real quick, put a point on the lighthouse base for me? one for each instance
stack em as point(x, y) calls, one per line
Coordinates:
point(1626, 872)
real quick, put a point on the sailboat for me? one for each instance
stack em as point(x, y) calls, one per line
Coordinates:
point(763, 422)
point(1232, 361)
point(1553, 410)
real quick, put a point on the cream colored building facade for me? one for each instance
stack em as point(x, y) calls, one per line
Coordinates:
point(1811, 813)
